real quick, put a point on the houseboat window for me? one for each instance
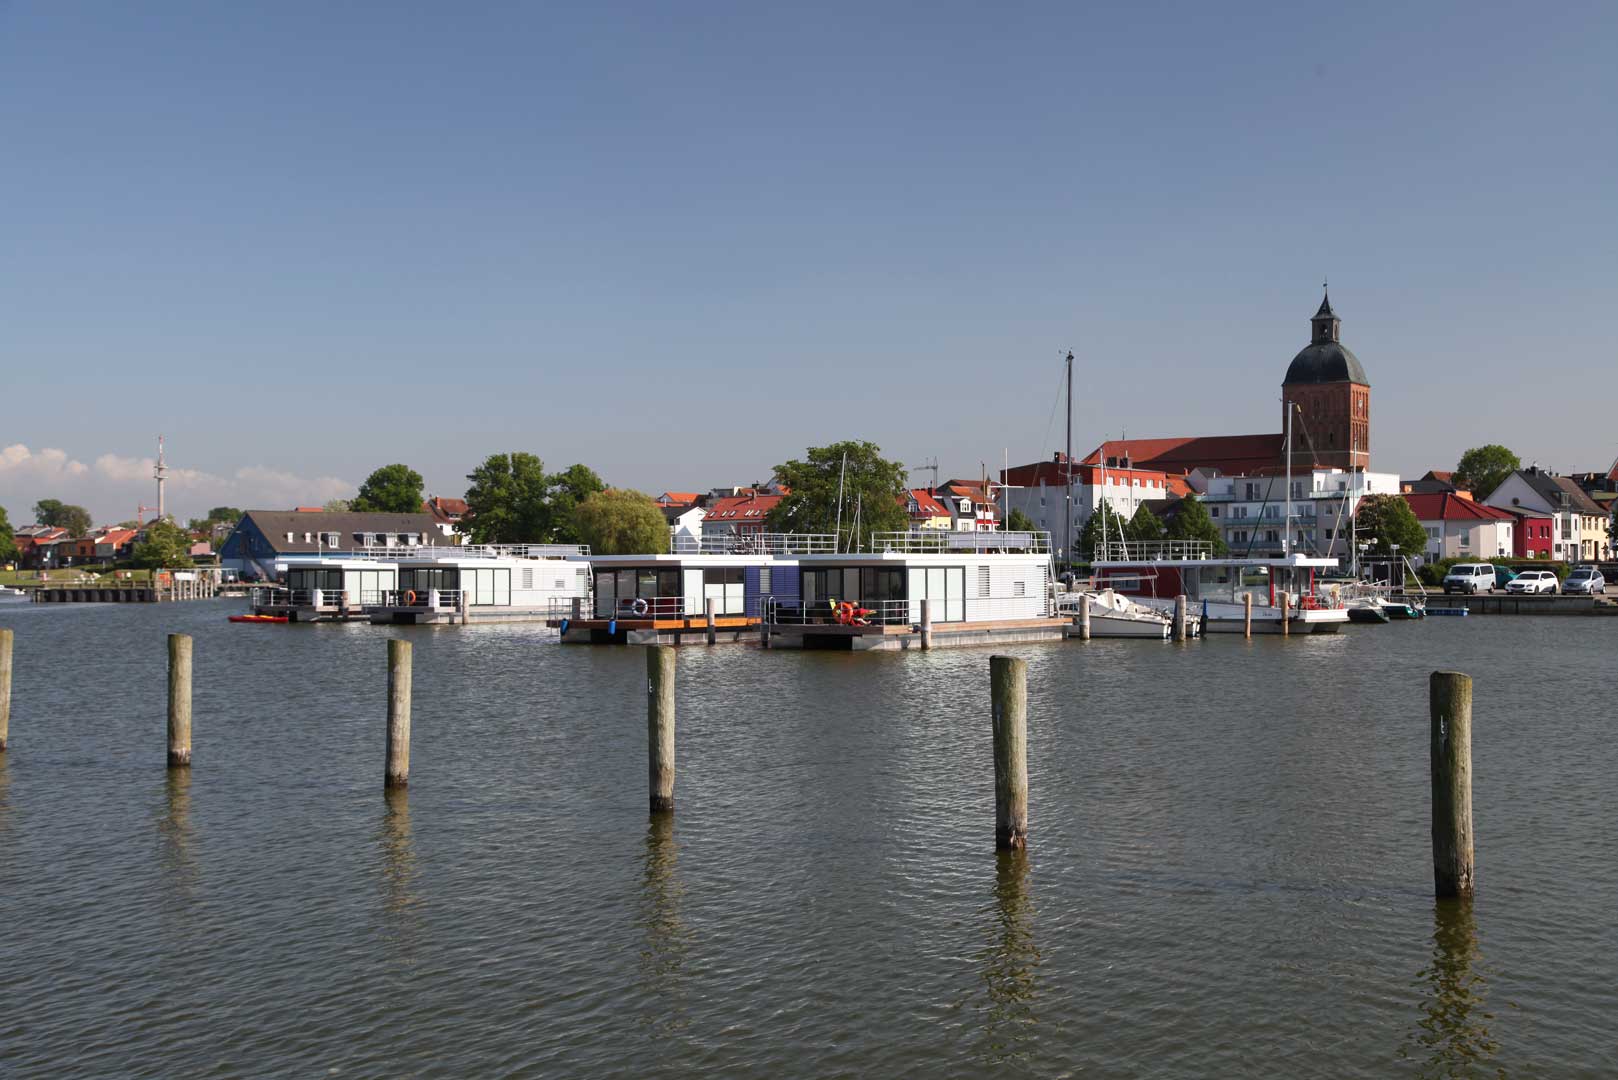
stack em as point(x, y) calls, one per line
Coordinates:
point(422, 578)
point(1256, 575)
point(764, 586)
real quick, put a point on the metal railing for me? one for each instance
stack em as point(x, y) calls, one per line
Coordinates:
point(643, 607)
point(750, 543)
point(974, 609)
point(446, 599)
point(938, 541)
point(1153, 550)
point(440, 552)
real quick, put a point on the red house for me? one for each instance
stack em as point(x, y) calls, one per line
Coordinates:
point(1532, 539)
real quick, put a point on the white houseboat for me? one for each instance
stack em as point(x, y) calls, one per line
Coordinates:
point(665, 599)
point(1288, 586)
point(484, 583)
point(326, 588)
point(980, 588)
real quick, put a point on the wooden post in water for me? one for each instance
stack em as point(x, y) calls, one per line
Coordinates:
point(1450, 703)
point(1286, 614)
point(179, 701)
point(660, 726)
point(926, 625)
point(1247, 616)
point(1179, 617)
point(708, 620)
point(5, 687)
point(397, 772)
point(1008, 691)
point(1084, 617)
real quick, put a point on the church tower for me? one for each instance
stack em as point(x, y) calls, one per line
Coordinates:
point(1329, 398)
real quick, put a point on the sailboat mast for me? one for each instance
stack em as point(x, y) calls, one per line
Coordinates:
point(1067, 461)
point(1286, 535)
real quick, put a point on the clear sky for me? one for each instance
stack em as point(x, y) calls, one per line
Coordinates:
point(681, 242)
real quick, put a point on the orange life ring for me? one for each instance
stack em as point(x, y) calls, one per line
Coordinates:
point(410, 598)
point(845, 613)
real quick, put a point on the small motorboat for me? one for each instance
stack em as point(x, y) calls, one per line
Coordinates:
point(258, 618)
point(1114, 615)
point(1366, 609)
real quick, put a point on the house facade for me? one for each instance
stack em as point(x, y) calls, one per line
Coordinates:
point(1460, 528)
point(262, 537)
point(736, 516)
point(1579, 526)
point(1250, 510)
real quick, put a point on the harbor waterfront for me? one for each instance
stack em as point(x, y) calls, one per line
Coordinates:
point(1228, 865)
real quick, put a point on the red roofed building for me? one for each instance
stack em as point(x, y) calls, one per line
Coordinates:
point(1460, 528)
point(738, 515)
point(925, 510)
point(677, 499)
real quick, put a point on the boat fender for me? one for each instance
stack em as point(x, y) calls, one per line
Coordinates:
point(639, 606)
point(612, 626)
point(563, 628)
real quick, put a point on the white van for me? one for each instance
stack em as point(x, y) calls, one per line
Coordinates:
point(1470, 578)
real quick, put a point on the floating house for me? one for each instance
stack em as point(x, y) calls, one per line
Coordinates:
point(484, 583)
point(329, 589)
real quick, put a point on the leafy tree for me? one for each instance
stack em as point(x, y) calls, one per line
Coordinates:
point(164, 545)
point(872, 491)
point(567, 490)
point(75, 519)
point(1484, 468)
point(227, 515)
point(1385, 520)
point(338, 506)
point(508, 500)
point(1145, 525)
point(1017, 521)
point(1090, 537)
point(1191, 522)
point(620, 523)
point(392, 489)
point(8, 544)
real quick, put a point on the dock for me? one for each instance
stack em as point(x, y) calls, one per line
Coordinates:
point(1508, 604)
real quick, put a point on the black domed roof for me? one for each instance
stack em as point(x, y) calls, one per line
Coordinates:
point(1326, 362)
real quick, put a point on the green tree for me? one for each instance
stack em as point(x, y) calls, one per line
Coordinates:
point(1017, 521)
point(872, 489)
point(620, 523)
point(1484, 468)
point(1191, 522)
point(1145, 525)
point(508, 501)
point(567, 490)
point(338, 506)
point(61, 515)
point(8, 543)
point(1385, 520)
point(1090, 537)
point(392, 489)
point(164, 545)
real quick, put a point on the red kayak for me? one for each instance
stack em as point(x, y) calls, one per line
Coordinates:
point(258, 618)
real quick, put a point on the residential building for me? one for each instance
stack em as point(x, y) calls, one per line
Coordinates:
point(115, 544)
point(36, 545)
point(737, 516)
point(1251, 509)
point(446, 514)
point(971, 505)
point(1531, 537)
point(1459, 527)
point(1038, 491)
point(1432, 483)
point(263, 536)
point(926, 509)
point(685, 526)
point(1579, 525)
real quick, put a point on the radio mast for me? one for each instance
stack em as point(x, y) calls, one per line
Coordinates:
point(160, 473)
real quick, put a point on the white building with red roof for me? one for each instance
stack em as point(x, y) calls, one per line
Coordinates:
point(1459, 527)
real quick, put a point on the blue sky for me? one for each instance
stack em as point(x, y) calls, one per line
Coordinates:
point(679, 243)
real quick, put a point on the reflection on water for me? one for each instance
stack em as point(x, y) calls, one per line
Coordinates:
point(398, 854)
point(1452, 1037)
point(667, 937)
point(175, 839)
point(1010, 963)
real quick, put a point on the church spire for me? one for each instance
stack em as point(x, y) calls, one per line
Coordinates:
point(1327, 326)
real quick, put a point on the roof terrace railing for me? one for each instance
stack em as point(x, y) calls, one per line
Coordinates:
point(938, 541)
point(441, 552)
point(761, 543)
point(1153, 550)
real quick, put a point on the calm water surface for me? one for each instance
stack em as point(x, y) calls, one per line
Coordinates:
point(1229, 869)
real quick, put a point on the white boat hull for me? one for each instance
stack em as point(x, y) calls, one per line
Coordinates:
point(1232, 618)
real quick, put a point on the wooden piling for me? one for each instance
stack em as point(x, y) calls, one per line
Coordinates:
point(179, 701)
point(1247, 616)
point(5, 687)
point(397, 772)
point(660, 726)
point(1179, 617)
point(926, 625)
point(1084, 617)
point(1008, 691)
point(1286, 614)
point(708, 620)
point(1450, 758)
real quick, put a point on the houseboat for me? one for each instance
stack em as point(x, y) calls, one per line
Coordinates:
point(1155, 572)
point(664, 599)
point(980, 588)
point(484, 583)
point(329, 588)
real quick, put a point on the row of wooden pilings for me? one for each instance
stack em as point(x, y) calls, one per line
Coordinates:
point(1450, 744)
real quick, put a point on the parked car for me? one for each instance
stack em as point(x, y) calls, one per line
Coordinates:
point(1533, 581)
point(1470, 578)
point(1503, 576)
point(1585, 579)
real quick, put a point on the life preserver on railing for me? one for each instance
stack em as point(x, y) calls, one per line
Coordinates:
point(410, 598)
point(639, 607)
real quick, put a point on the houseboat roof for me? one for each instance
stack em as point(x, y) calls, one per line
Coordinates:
point(1224, 560)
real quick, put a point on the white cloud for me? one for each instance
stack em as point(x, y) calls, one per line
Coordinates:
point(115, 485)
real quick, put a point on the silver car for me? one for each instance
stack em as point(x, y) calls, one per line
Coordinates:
point(1585, 579)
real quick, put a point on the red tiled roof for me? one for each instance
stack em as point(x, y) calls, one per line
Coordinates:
point(1443, 506)
point(117, 537)
point(927, 504)
point(308, 509)
point(677, 498)
point(1230, 454)
point(741, 508)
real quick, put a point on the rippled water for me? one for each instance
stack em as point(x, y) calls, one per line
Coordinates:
point(1228, 873)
